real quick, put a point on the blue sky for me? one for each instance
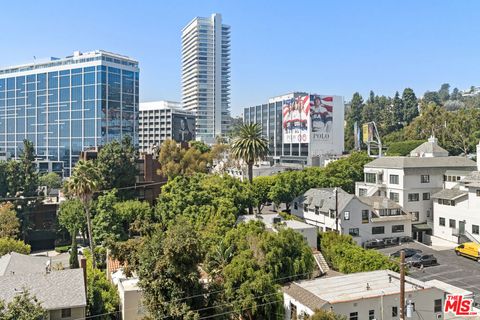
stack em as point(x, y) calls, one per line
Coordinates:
point(331, 47)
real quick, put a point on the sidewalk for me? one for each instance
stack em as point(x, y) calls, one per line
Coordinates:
point(439, 244)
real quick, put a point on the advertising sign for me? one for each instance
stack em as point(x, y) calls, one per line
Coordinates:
point(368, 132)
point(296, 115)
point(183, 127)
point(321, 114)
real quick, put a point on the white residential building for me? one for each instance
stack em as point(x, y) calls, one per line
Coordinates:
point(275, 222)
point(162, 120)
point(364, 218)
point(411, 181)
point(206, 75)
point(367, 295)
point(457, 207)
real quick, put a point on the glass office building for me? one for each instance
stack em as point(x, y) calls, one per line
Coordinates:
point(67, 105)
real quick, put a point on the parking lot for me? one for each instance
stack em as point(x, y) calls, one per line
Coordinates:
point(452, 269)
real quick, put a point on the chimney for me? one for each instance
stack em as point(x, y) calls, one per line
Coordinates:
point(83, 265)
point(432, 139)
point(478, 156)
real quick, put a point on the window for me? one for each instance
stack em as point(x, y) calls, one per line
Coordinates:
point(370, 178)
point(478, 192)
point(424, 178)
point(378, 230)
point(371, 314)
point(426, 196)
point(412, 197)
point(394, 196)
point(441, 221)
point(452, 223)
point(295, 205)
point(398, 228)
point(475, 229)
point(394, 178)
point(353, 316)
point(66, 313)
point(437, 305)
point(362, 192)
point(354, 232)
point(415, 215)
point(394, 311)
point(332, 213)
point(346, 215)
point(305, 207)
point(365, 216)
point(317, 210)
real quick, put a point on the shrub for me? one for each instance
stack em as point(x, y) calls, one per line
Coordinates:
point(62, 249)
point(403, 148)
point(8, 245)
point(345, 256)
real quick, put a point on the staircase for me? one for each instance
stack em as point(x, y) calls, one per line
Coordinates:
point(321, 262)
point(466, 237)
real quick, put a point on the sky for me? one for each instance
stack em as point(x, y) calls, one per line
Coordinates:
point(325, 47)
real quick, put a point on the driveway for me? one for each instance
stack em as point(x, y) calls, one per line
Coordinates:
point(452, 269)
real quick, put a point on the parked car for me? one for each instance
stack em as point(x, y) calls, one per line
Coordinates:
point(374, 244)
point(422, 260)
point(469, 250)
point(409, 252)
point(79, 250)
point(393, 241)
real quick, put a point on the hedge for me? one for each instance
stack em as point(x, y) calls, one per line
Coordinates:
point(403, 148)
point(345, 256)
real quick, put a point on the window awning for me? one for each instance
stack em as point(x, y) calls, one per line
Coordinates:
point(421, 227)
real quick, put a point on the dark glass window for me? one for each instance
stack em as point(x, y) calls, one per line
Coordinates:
point(378, 230)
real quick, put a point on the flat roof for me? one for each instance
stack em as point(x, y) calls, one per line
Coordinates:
point(358, 286)
point(416, 162)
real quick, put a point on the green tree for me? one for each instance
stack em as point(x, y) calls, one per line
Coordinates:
point(403, 148)
point(250, 146)
point(85, 180)
point(137, 216)
point(462, 130)
point(288, 185)
point(117, 165)
point(353, 115)
point(29, 170)
point(444, 92)
point(9, 224)
point(456, 95)
point(72, 218)
point(11, 245)
point(410, 104)
point(24, 306)
point(431, 122)
point(3, 178)
point(261, 187)
point(107, 222)
point(51, 180)
point(175, 160)
point(168, 273)
point(431, 96)
point(102, 297)
point(200, 146)
point(325, 315)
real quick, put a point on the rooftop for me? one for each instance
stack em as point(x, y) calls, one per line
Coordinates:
point(56, 290)
point(378, 202)
point(270, 219)
point(351, 287)
point(16, 263)
point(429, 149)
point(77, 57)
point(449, 194)
point(419, 162)
point(324, 198)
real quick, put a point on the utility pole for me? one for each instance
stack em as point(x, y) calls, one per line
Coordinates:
point(402, 285)
point(336, 209)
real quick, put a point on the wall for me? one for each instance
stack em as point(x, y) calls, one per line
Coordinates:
point(130, 304)
point(76, 313)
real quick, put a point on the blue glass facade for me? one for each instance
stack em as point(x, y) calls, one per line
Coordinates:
point(64, 108)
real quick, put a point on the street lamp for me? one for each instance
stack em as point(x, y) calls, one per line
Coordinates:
point(336, 208)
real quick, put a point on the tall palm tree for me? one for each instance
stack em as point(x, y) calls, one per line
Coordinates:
point(250, 146)
point(85, 180)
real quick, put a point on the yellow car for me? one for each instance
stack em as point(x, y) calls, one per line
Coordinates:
point(469, 249)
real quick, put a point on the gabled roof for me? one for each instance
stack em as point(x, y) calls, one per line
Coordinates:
point(429, 147)
point(378, 202)
point(304, 296)
point(449, 194)
point(417, 162)
point(324, 198)
point(17, 263)
point(56, 290)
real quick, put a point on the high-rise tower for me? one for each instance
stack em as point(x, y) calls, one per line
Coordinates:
point(206, 75)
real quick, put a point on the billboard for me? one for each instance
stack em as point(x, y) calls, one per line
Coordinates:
point(296, 120)
point(321, 114)
point(183, 127)
point(368, 132)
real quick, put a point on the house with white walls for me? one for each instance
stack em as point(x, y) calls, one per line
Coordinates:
point(364, 218)
point(411, 181)
point(456, 208)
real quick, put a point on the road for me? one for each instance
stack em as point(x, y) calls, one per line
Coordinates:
point(452, 269)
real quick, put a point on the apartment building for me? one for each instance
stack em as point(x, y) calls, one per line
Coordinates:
point(411, 181)
point(364, 218)
point(456, 208)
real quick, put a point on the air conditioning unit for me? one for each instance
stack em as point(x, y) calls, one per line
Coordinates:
point(438, 316)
